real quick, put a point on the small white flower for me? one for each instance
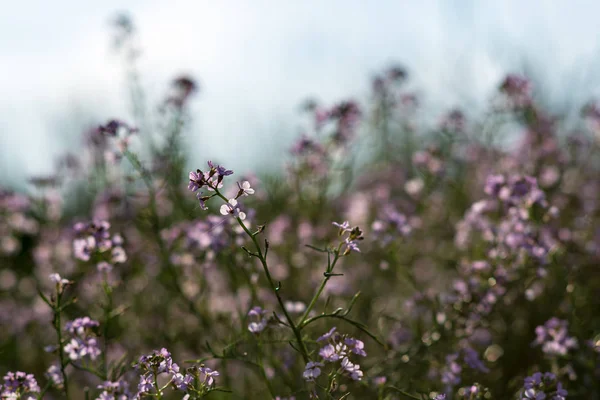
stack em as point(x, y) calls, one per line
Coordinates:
point(231, 208)
point(118, 255)
point(228, 208)
point(245, 188)
point(57, 279)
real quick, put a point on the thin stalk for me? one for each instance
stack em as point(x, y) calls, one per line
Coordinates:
point(260, 255)
point(107, 317)
point(330, 266)
point(164, 255)
point(263, 372)
point(63, 363)
point(158, 392)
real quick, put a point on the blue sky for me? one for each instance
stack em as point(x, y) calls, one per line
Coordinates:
point(256, 60)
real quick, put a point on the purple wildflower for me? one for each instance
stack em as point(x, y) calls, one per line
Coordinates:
point(259, 322)
point(312, 371)
point(553, 337)
point(327, 335)
point(208, 375)
point(541, 387)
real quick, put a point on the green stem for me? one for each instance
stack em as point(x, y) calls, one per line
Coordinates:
point(330, 266)
point(107, 317)
point(57, 327)
point(158, 392)
point(263, 372)
point(164, 255)
point(259, 254)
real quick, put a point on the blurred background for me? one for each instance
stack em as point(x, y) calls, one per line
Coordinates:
point(257, 61)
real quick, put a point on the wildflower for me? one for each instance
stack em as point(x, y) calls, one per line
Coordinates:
point(354, 234)
point(83, 248)
point(295, 306)
point(81, 326)
point(196, 180)
point(182, 382)
point(379, 380)
point(184, 87)
point(327, 335)
point(329, 353)
point(517, 89)
point(344, 227)
point(231, 208)
point(222, 171)
point(245, 189)
point(553, 337)
point(118, 390)
point(146, 383)
point(94, 239)
point(54, 375)
point(202, 199)
point(451, 372)
point(356, 346)
point(103, 266)
point(19, 385)
point(159, 360)
point(112, 127)
point(83, 343)
point(312, 371)
point(209, 375)
point(259, 325)
point(118, 255)
point(60, 282)
point(353, 369)
point(542, 386)
point(79, 348)
point(471, 358)
point(339, 348)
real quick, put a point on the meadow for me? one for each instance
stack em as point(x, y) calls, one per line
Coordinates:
point(381, 260)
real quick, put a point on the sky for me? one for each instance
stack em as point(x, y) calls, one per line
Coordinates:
point(257, 60)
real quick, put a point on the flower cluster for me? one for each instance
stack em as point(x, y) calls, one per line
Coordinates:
point(352, 236)
point(54, 375)
point(19, 385)
point(310, 159)
point(473, 392)
point(467, 254)
point(259, 320)
point(517, 89)
point(451, 373)
point(83, 341)
point(118, 390)
point(152, 365)
point(94, 242)
point(60, 282)
point(213, 181)
point(183, 88)
point(511, 224)
point(119, 130)
point(517, 191)
point(196, 380)
point(339, 348)
point(543, 387)
point(554, 338)
point(390, 225)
